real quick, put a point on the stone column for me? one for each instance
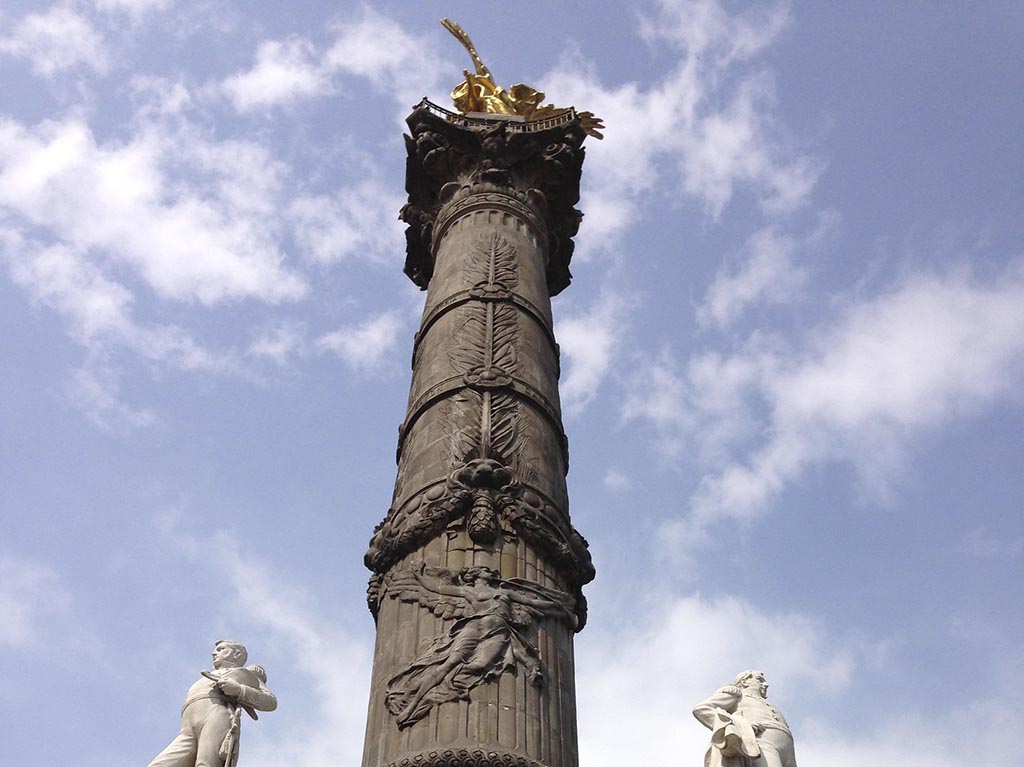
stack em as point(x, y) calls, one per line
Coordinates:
point(477, 569)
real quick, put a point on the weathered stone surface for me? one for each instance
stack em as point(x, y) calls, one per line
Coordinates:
point(477, 569)
point(210, 716)
point(746, 730)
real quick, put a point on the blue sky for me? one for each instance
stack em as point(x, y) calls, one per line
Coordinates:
point(793, 357)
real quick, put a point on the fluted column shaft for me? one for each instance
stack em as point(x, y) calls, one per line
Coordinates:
point(477, 569)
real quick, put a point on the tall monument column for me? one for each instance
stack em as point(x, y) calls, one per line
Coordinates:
point(477, 569)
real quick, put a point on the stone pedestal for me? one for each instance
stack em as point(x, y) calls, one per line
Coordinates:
point(477, 569)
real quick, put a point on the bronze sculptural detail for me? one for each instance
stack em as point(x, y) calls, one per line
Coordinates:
point(479, 93)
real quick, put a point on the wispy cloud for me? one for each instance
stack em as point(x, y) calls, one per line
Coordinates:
point(356, 221)
point(365, 346)
point(637, 683)
point(204, 238)
point(767, 271)
point(30, 592)
point(325, 723)
point(285, 70)
point(856, 389)
point(589, 342)
point(57, 40)
point(372, 47)
point(707, 126)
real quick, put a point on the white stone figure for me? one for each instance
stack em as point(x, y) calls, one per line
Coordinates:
point(746, 730)
point(212, 708)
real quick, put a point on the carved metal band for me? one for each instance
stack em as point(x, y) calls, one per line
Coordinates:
point(484, 379)
point(453, 211)
point(475, 293)
point(465, 757)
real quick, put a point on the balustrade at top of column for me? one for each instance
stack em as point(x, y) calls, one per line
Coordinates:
point(453, 157)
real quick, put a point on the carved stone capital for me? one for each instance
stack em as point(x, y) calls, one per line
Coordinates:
point(532, 168)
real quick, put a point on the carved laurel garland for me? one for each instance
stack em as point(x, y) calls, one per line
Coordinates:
point(489, 498)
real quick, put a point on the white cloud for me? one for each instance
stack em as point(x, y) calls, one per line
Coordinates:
point(322, 651)
point(616, 481)
point(705, 28)
point(638, 680)
point(707, 125)
point(208, 238)
point(768, 272)
point(373, 47)
point(284, 71)
point(325, 723)
point(97, 309)
point(359, 221)
point(158, 97)
point(278, 344)
point(57, 40)
point(29, 592)
point(95, 391)
point(931, 349)
point(394, 61)
point(134, 8)
point(365, 346)
point(589, 341)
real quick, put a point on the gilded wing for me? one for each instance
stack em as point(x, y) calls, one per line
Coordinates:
point(421, 587)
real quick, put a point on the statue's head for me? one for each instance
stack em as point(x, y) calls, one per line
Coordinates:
point(228, 654)
point(259, 671)
point(470, 575)
point(752, 682)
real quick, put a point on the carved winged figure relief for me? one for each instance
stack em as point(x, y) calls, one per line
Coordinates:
point(487, 638)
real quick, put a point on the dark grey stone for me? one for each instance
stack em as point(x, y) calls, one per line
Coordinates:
point(477, 569)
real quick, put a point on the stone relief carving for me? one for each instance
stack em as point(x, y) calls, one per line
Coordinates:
point(465, 757)
point(484, 347)
point(460, 416)
point(487, 497)
point(492, 263)
point(746, 730)
point(488, 638)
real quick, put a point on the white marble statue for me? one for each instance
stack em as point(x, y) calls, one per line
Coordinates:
point(212, 708)
point(746, 730)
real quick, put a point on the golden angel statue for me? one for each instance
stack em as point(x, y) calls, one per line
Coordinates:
point(486, 640)
point(479, 93)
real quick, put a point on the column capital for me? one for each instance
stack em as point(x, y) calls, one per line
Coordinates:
point(453, 157)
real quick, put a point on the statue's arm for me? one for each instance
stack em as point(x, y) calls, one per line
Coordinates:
point(726, 698)
point(438, 586)
point(259, 698)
